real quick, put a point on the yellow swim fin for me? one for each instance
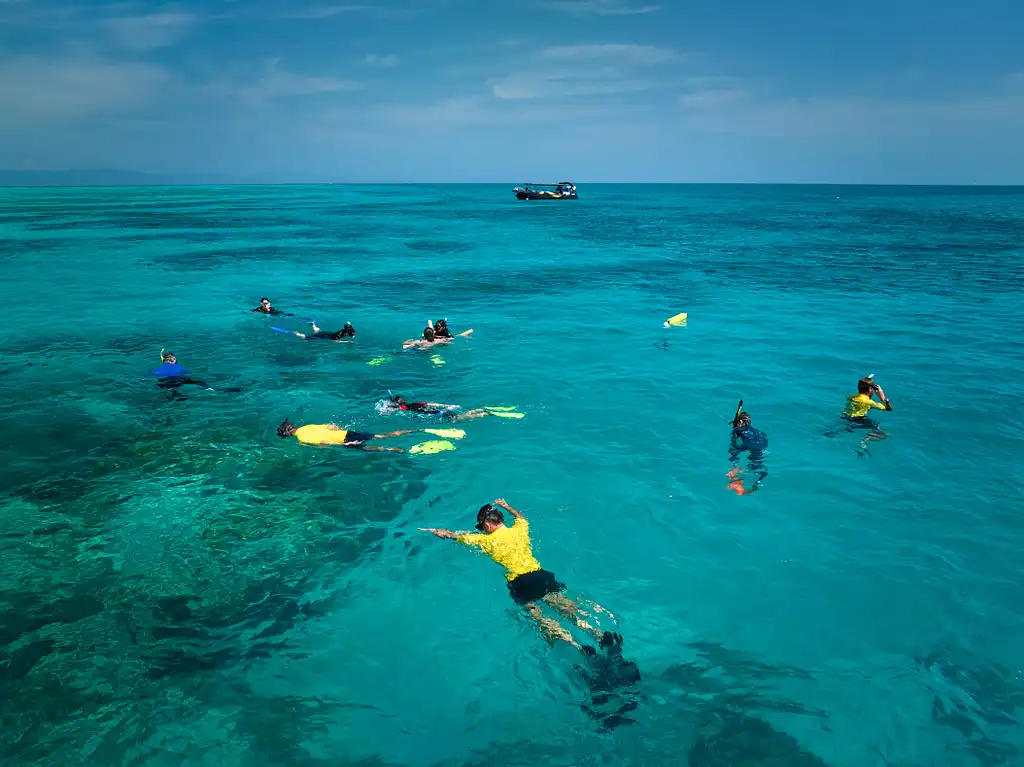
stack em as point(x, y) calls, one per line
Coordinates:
point(437, 360)
point(446, 433)
point(378, 361)
point(677, 321)
point(507, 414)
point(499, 409)
point(434, 446)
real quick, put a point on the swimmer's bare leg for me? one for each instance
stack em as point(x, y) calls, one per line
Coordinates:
point(550, 628)
point(874, 436)
point(395, 433)
point(375, 449)
point(479, 413)
point(569, 609)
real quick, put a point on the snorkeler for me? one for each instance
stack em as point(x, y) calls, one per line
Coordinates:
point(429, 339)
point(170, 375)
point(266, 308)
point(447, 412)
point(745, 438)
point(528, 582)
point(441, 330)
point(347, 333)
point(857, 408)
point(331, 434)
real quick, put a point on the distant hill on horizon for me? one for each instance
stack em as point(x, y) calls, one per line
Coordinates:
point(102, 177)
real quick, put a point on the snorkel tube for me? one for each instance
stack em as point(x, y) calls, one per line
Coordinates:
point(739, 409)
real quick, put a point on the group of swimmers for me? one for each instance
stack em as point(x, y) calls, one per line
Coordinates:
point(529, 585)
point(754, 442)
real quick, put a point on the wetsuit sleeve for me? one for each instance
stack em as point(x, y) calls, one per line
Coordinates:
point(472, 539)
point(876, 405)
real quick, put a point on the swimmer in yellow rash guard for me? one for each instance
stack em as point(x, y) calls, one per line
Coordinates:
point(331, 434)
point(860, 404)
point(528, 582)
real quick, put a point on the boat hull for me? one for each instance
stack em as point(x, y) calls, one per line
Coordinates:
point(532, 195)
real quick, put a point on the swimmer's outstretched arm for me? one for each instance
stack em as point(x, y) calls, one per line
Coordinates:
point(465, 333)
point(449, 534)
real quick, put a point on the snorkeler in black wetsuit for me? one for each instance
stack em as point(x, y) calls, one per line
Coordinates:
point(266, 308)
point(347, 333)
point(447, 412)
point(745, 438)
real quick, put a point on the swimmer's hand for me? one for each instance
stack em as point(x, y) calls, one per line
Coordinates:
point(504, 504)
point(883, 398)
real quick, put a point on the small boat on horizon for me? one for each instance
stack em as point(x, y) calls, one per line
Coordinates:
point(563, 190)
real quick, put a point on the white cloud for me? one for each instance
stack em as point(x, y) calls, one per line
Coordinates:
point(151, 31)
point(277, 82)
point(829, 118)
point(585, 70)
point(602, 7)
point(325, 11)
point(33, 89)
point(712, 97)
point(610, 53)
point(378, 60)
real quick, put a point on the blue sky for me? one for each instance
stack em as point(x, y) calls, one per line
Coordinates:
point(902, 91)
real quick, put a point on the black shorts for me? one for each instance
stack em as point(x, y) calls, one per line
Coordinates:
point(863, 422)
point(358, 437)
point(530, 587)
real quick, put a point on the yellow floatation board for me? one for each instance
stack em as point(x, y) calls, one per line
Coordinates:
point(679, 319)
point(434, 446)
point(446, 433)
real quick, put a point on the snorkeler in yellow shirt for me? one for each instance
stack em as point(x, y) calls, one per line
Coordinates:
point(331, 434)
point(859, 405)
point(528, 582)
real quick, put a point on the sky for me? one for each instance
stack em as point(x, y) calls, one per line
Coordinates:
point(900, 91)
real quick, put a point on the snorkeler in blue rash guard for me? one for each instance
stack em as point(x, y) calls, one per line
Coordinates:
point(171, 375)
point(745, 438)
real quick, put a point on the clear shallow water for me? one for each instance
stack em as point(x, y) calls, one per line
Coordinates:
point(180, 586)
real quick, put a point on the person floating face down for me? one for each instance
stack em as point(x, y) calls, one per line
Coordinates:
point(429, 339)
point(347, 333)
point(859, 405)
point(446, 412)
point(529, 584)
point(266, 308)
point(332, 434)
point(746, 439)
point(172, 376)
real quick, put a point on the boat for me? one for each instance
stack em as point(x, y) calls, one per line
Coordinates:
point(563, 190)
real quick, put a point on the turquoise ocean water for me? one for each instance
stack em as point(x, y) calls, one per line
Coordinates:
point(181, 587)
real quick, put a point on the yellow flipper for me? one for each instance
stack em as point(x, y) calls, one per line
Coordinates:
point(436, 359)
point(446, 433)
point(378, 361)
point(508, 415)
point(434, 446)
point(677, 321)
